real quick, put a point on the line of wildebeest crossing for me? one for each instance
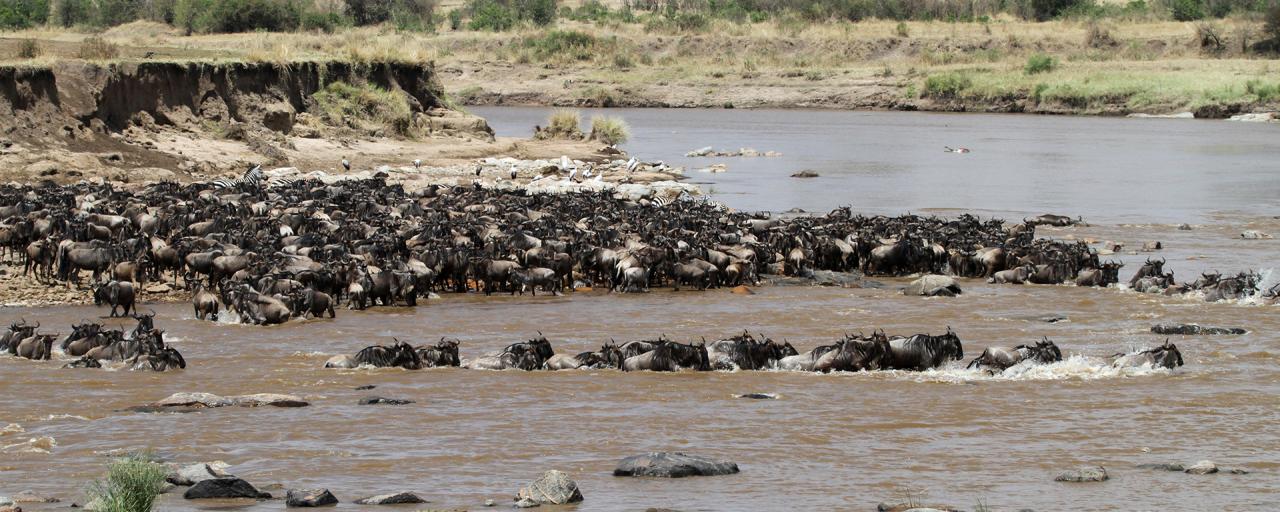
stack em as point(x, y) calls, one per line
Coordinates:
point(306, 247)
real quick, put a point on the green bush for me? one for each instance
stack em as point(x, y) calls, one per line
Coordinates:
point(570, 44)
point(609, 130)
point(360, 106)
point(946, 85)
point(70, 13)
point(1264, 92)
point(119, 12)
point(1271, 25)
point(325, 22)
point(499, 15)
point(1040, 63)
point(455, 19)
point(132, 485)
point(23, 13)
point(1186, 10)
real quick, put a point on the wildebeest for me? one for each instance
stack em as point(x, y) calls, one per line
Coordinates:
point(1105, 275)
point(443, 353)
point(528, 355)
point(1163, 356)
point(117, 294)
point(398, 355)
point(609, 356)
point(1050, 219)
point(205, 303)
point(1018, 275)
point(996, 359)
point(851, 354)
point(747, 353)
point(17, 332)
point(922, 351)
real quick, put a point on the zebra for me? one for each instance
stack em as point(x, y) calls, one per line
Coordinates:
point(281, 182)
point(252, 179)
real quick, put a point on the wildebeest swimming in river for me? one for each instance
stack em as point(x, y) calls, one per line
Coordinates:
point(997, 359)
point(669, 356)
point(1164, 356)
point(398, 355)
point(17, 332)
point(747, 353)
point(1105, 275)
point(609, 356)
point(922, 351)
point(528, 355)
point(851, 354)
point(443, 353)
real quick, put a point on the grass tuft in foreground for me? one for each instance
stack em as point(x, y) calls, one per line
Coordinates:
point(364, 107)
point(132, 484)
point(563, 124)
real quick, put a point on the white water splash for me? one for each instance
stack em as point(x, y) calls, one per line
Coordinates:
point(53, 417)
point(12, 428)
point(1075, 367)
point(33, 445)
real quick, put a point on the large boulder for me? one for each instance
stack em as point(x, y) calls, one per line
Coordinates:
point(187, 401)
point(380, 400)
point(305, 498)
point(553, 488)
point(400, 498)
point(196, 473)
point(1086, 474)
point(673, 465)
point(223, 488)
point(933, 285)
point(1195, 329)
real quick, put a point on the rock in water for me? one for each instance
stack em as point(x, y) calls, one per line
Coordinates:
point(378, 400)
point(673, 465)
point(1204, 467)
point(553, 488)
point(220, 488)
point(933, 285)
point(1195, 329)
point(527, 503)
point(1254, 234)
point(1089, 474)
point(805, 174)
point(303, 498)
point(1163, 467)
point(391, 499)
point(32, 497)
point(196, 473)
point(758, 396)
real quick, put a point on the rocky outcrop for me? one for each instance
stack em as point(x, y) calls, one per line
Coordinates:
point(1086, 474)
point(224, 488)
point(209, 400)
point(196, 473)
point(379, 400)
point(552, 488)
point(400, 498)
point(673, 465)
point(1195, 329)
point(309, 498)
point(933, 285)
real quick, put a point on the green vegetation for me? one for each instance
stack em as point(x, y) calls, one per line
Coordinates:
point(569, 44)
point(1264, 92)
point(1040, 63)
point(946, 85)
point(23, 13)
point(563, 124)
point(609, 130)
point(132, 485)
point(364, 107)
point(498, 15)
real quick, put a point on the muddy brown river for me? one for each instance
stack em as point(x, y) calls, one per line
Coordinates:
point(829, 442)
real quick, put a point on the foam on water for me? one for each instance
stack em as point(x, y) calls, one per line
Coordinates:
point(1076, 367)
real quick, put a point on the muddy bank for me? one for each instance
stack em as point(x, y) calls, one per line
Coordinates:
point(148, 121)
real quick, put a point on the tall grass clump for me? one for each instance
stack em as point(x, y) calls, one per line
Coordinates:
point(946, 85)
point(132, 485)
point(567, 44)
point(563, 124)
point(1264, 92)
point(609, 130)
point(364, 106)
point(97, 48)
point(28, 49)
point(1040, 63)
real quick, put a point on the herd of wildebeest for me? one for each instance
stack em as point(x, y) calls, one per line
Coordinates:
point(306, 248)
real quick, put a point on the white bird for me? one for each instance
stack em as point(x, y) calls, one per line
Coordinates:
point(346, 164)
point(587, 173)
point(417, 163)
point(632, 164)
point(573, 173)
point(598, 178)
point(513, 172)
point(536, 178)
point(564, 162)
point(478, 169)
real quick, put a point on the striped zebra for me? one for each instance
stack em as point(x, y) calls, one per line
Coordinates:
point(251, 180)
point(281, 182)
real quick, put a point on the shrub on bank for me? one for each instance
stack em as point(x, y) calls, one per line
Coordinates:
point(28, 49)
point(563, 124)
point(23, 13)
point(1040, 63)
point(569, 44)
point(609, 130)
point(132, 485)
point(97, 48)
point(946, 85)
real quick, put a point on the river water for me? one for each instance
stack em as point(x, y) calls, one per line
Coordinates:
point(829, 442)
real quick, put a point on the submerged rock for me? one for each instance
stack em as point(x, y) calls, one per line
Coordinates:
point(673, 465)
point(223, 488)
point(1195, 329)
point(1087, 474)
point(1204, 467)
point(378, 400)
point(553, 488)
point(209, 400)
point(32, 497)
point(1163, 467)
point(805, 174)
point(1254, 234)
point(758, 396)
point(306, 498)
point(400, 498)
point(527, 503)
point(933, 285)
